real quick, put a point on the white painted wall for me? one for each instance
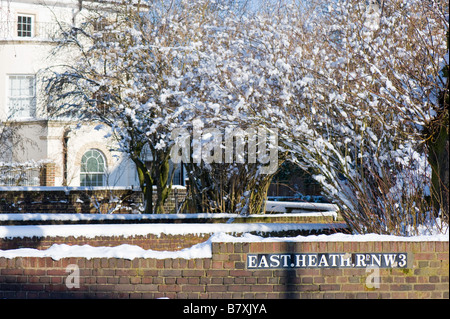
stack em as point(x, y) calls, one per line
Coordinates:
point(32, 56)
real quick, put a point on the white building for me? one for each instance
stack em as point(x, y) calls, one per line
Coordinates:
point(77, 154)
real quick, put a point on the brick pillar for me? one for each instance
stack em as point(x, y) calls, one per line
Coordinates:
point(47, 174)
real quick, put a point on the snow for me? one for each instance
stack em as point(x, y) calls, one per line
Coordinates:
point(280, 206)
point(129, 230)
point(338, 237)
point(278, 85)
point(67, 189)
point(219, 233)
point(127, 217)
point(58, 251)
point(202, 250)
point(277, 71)
point(99, 217)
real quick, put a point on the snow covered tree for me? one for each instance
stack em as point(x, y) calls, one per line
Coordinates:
point(233, 181)
point(7, 138)
point(145, 69)
point(128, 61)
point(357, 85)
point(348, 87)
point(233, 173)
point(12, 171)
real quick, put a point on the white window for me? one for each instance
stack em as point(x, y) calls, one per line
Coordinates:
point(93, 169)
point(22, 96)
point(25, 26)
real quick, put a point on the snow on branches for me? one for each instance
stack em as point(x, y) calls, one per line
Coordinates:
point(365, 85)
point(347, 86)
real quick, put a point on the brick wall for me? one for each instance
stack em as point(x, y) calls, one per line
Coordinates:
point(47, 174)
point(79, 200)
point(159, 242)
point(225, 275)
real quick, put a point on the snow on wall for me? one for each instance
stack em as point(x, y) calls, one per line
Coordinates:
point(128, 230)
point(124, 217)
point(202, 250)
point(275, 206)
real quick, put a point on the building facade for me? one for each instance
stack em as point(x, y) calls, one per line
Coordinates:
point(47, 151)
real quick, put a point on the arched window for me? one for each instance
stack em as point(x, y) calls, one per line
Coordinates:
point(93, 169)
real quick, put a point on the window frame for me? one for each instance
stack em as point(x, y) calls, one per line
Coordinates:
point(19, 113)
point(93, 178)
point(31, 24)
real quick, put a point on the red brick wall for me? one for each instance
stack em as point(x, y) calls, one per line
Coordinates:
point(225, 275)
point(159, 242)
point(47, 174)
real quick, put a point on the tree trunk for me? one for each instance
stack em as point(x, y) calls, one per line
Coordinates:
point(163, 187)
point(146, 184)
point(437, 142)
point(438, 147)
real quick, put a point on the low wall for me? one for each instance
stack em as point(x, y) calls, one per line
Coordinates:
point(226, 274)
point(159, 242)
point(79, 200)
point(154, 236)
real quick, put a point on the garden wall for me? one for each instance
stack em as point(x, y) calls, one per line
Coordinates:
point(79, 200)
point(226, 274)
point(159, 242)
